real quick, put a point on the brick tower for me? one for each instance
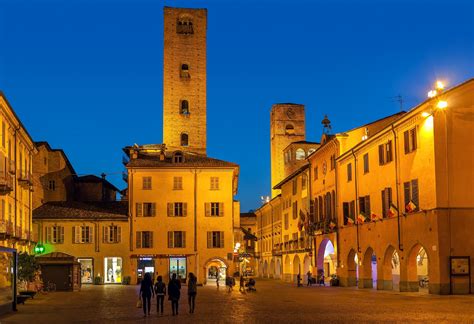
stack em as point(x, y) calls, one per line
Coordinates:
point(287, 125)
point(184, 79)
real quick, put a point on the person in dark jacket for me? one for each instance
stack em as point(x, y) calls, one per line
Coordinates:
point(160, 291)
point(174, 287)
point(192, 291)
point(146, 293)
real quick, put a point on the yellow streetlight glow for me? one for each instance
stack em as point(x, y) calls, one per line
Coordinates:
point(442, 104)
point(425, 114)
point(432, 93)
point(439, 85)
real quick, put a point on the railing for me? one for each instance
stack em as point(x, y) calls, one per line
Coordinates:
point(9, 228)
point(6, 183)
point(18, 232)
point(25, 178)
point(3, 226)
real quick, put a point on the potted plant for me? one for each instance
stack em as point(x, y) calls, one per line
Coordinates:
point(334, 280)
point(97, 280)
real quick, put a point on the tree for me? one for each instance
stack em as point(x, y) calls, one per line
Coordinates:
point(27, 267)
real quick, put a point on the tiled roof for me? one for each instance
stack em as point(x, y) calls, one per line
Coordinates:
point(81, 210)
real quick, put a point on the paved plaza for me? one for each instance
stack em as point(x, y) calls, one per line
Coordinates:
point(274, 301)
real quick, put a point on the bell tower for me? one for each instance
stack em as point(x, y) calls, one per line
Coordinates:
point(287, 125)
point(184, 79)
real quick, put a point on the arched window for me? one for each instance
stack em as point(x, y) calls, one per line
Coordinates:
point(184, 139)
point(300, 154)
point(184, 107)
point(316, 210)
point(334, 205)
point(321, 216)
point(184, 26)
point(328, 206)
point(289, 129)
point(184, 72)
point(178, 157)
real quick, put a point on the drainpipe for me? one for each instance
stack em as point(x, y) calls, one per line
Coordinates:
point(356, 203)
point(397, 187)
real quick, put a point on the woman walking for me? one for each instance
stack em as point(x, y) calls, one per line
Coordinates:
point(160, 291)
point(174, 287)
point(146, 292)
point(192, 291)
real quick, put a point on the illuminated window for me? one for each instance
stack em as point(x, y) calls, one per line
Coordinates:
point(184, 107)
point(184, 139)
point(300, 154)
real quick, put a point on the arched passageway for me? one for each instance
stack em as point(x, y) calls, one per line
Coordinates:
point(296, 267)
point(390, 275)
point(287, 269)
point(326, 258)
point(352, 269)
point(418, 270)
point(215, 269)
point(369, 270)
point(278, 269)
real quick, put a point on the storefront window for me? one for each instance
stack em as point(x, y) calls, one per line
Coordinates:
point(145, 265)
point(6, 278)
point(113, 270)
point(87, 270)
point(178, 266)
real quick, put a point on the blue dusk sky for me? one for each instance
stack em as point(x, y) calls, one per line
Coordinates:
point(86, 76)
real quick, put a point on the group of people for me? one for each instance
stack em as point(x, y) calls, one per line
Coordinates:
point(319, 280)
point(148, 290)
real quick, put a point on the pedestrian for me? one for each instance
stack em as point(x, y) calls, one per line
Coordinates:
point(242, 283)
point(298, 280)
point(174, 287)
point(192, 291)
point(310, 278)
point(146, 292)
point(160, 291)
point(217, 279)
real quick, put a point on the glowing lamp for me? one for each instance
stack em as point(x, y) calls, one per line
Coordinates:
point(432, 93)
point(39, 248)
point(425, 114)
point(442, 104)
point(439, 85)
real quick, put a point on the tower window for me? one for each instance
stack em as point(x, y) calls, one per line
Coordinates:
point(300, 154)
point(184, 72)
point(184, 139)
point(289, 129)
point(184, 26)
point(184, 107)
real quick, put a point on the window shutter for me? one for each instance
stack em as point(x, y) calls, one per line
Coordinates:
point(61, 234)
point(406, 137)
point(415, 142)
point(361, 205)
point(345, 209)
point(367, 205)
point(185, 209)
point(151, 239)
point(153, 209)
point(221, 241)
point(209, 240)
point(389, 151)
point(170, 209)
point(352, 210)
point(48, 235)
point(119, 234)
point(221, 209)
point(74, 230)
point(105, 234)
point(139, 240)
point(170, 239)
point(91, 234)
point(414, 193)
point(183, 237)
point(389, 197)
point(207, 207)
point(384, 205)
point(381, 153)
point(78, 234)
point(139, 209)
point(406, 189)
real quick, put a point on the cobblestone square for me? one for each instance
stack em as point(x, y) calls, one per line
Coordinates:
point(274, 302)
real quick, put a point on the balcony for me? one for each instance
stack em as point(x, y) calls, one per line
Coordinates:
point(6, 183)
point(17, 233)
point(11, 166)
point(25, 179)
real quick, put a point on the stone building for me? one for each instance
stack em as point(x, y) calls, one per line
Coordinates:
point(388, 203)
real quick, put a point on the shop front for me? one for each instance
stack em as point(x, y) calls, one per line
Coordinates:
point(87, 270)
point(112, 270)
point(7, 280)
point(178, 266)
point(145, 265)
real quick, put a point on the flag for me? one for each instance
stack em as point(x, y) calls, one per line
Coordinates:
point(301, 220)
point(374, 217)
point(410, 207)
point(392, 211)
point(350, 221)
point(360, 218)
point(332, 225)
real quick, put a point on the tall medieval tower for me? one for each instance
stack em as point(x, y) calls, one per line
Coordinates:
point(184, 79)
point(287, 125)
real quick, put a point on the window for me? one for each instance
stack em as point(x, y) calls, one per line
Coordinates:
point(178, 157)
point(55, 234)
point(366, 163)
point(177, 183)
point(348, 211)
point(385, 153)
point(287, 223)
point(412, 202)
point(214, 183)
point(311, 150)
point(303, 182)
point(184, 107)
point(112, 234)
point(386, 201)
point(52, 185)
point(364, 206)
point(215, 239)
point(146, 209)
point(315, 170)
point(184, 139)
point(4, 133)
point(214, 209)
point(289, 129)
point(144, 239)
point(82, 234)
point(176, 239)
point(146, 183)
point(410, 140)
point(295, 186)
point(300, 154)
point(295, 210)
point(184, 26)
point(349, 172)
point(184, 72)
point(177, 209)
point(328, 206)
